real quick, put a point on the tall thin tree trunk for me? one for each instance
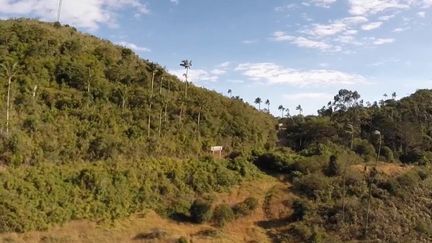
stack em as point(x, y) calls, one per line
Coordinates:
point(186, 90)
point(160, 122)
point(160, 86)
point(152, 83)
point(198, 123)
point(8, 105)
point(166, 112)
point(149, 121)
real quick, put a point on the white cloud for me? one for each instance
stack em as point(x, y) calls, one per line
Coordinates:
point(285, 8)
point(386, 17)
point(371, 26)
point(422, 14)
point(195, 75)
point(399, 29)
point(271, 73)
point(369, 7)
point(302, 41)
point(323, 3)
point(201, 75)
point(174, 1)
point(382, 41)
point(133, 46)
point(308, 96)
point(87, 14)
point(248, 42)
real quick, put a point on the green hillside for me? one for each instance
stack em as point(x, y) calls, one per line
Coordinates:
point(97, 133)
point(77, 97)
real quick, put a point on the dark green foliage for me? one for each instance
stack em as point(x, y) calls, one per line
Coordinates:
point(387, 154)
point(201, 211)
point(300, 209)
point(365, 149)
point(182, 240)
point(223, 214)
point(333, 168)
point(246, 207)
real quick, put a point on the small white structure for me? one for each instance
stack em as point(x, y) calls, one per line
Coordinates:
point(217, 149)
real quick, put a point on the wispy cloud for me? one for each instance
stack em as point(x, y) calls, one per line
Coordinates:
point(271, 73)
point(382, 41)
point(308, 96)
point(371, 26)
point(89, 14)
point(300, 41)
point(323, 3)
point(133, 46)
point(202, 75)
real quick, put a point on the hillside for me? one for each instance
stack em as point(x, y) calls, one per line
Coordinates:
point(94, 132)
point(77, 97)
point(110, 146)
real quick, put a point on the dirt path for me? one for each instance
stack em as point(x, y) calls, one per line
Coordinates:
point(149, 227)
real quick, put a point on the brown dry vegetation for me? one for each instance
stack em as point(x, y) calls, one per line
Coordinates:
point(271, 194)
point(385, 168)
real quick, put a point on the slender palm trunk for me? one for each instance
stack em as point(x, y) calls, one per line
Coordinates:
point(186, 89)
point(160, 123)
point(8, 105)
point(160, 86)
point(152, 83)
point(198, 123)
point(149, 121)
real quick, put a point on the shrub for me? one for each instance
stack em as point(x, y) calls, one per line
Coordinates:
point(223, 214)
point(364, 149)
point(246, 207)
point(311, 185)
point(333, 168)
point(200, 211)
point(300, 210)
point(182, 240)
point(387, 153)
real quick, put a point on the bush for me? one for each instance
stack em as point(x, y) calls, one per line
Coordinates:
point(223, 214)
point(311, 185)
point(364, 149)
point(333, 168)
point(387, 153)
point(246, 207)
point(300, 210)
point(200, 211)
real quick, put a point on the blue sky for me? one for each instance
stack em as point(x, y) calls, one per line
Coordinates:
point(290, 52)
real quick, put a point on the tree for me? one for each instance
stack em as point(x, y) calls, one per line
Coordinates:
point(10, 72)
point(267, 102)
point(299, 109)
point(345, 99)
point(230, 93)
point(258, 101)
point(282, 109)
point(187, 64)
point(394, 95)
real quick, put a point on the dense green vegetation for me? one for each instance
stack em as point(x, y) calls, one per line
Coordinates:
point(75, 97)
point(94, 132)
point(339, 201)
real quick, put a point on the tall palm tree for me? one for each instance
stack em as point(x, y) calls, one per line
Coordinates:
point(267, 102)
point(394, 95)
point(10, 72)
point(258, 101)
point(299, 109)
point(230, 93)
point(187, 64)
point(282, 109)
